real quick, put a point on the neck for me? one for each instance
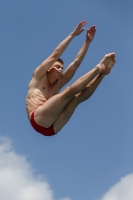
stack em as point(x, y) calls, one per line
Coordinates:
point(51, 79)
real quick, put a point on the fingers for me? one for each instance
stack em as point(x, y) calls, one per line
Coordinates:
point(91, 33)
point(82, 23)
point(92, 29)
point(82, 30)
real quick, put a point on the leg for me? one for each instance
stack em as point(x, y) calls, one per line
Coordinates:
point(48, 113)
point(90, 88)
point(70, 108)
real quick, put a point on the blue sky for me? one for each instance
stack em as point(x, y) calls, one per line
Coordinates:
point(94, 150)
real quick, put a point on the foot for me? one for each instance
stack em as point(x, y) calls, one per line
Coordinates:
point(107, 63)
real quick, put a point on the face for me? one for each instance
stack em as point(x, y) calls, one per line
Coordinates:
point(56, 70)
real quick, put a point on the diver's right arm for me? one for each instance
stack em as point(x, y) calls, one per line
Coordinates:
point(46, 64)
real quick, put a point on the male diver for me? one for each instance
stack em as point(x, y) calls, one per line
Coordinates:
point(47, 109)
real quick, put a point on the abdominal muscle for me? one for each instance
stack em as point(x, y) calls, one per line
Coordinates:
point(39, 94)
point(35, 98)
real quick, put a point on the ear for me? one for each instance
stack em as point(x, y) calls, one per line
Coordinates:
point(49, 70)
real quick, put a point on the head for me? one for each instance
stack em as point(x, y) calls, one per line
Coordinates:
point(56, 69)
point(60, 60)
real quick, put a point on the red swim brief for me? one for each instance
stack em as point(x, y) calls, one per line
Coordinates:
point(40, 129)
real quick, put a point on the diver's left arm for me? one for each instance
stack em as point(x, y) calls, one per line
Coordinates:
point(71, 69)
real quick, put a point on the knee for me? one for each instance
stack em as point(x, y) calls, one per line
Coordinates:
point(76, 100)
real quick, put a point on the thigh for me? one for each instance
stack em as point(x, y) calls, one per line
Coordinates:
point(66, 114)
point(47, 114)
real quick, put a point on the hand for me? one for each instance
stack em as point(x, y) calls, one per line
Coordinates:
point(90, 33)
point(79, 28)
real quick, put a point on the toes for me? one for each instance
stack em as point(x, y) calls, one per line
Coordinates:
point(108, 55)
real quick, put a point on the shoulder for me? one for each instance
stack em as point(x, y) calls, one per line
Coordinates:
point(38, 73)
point(36, 81)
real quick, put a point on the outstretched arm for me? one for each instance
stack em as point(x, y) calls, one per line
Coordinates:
point(46, 64)
point(71, 69)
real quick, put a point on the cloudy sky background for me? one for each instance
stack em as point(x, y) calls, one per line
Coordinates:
point(92, 156)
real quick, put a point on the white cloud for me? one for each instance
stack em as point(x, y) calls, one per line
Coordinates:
point(65, 199)
point(17, 180)
point(123, 190)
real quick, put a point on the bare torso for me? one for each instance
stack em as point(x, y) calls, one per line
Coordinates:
point(39, 91)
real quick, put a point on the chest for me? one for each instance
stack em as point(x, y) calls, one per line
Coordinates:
point(49, 90)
